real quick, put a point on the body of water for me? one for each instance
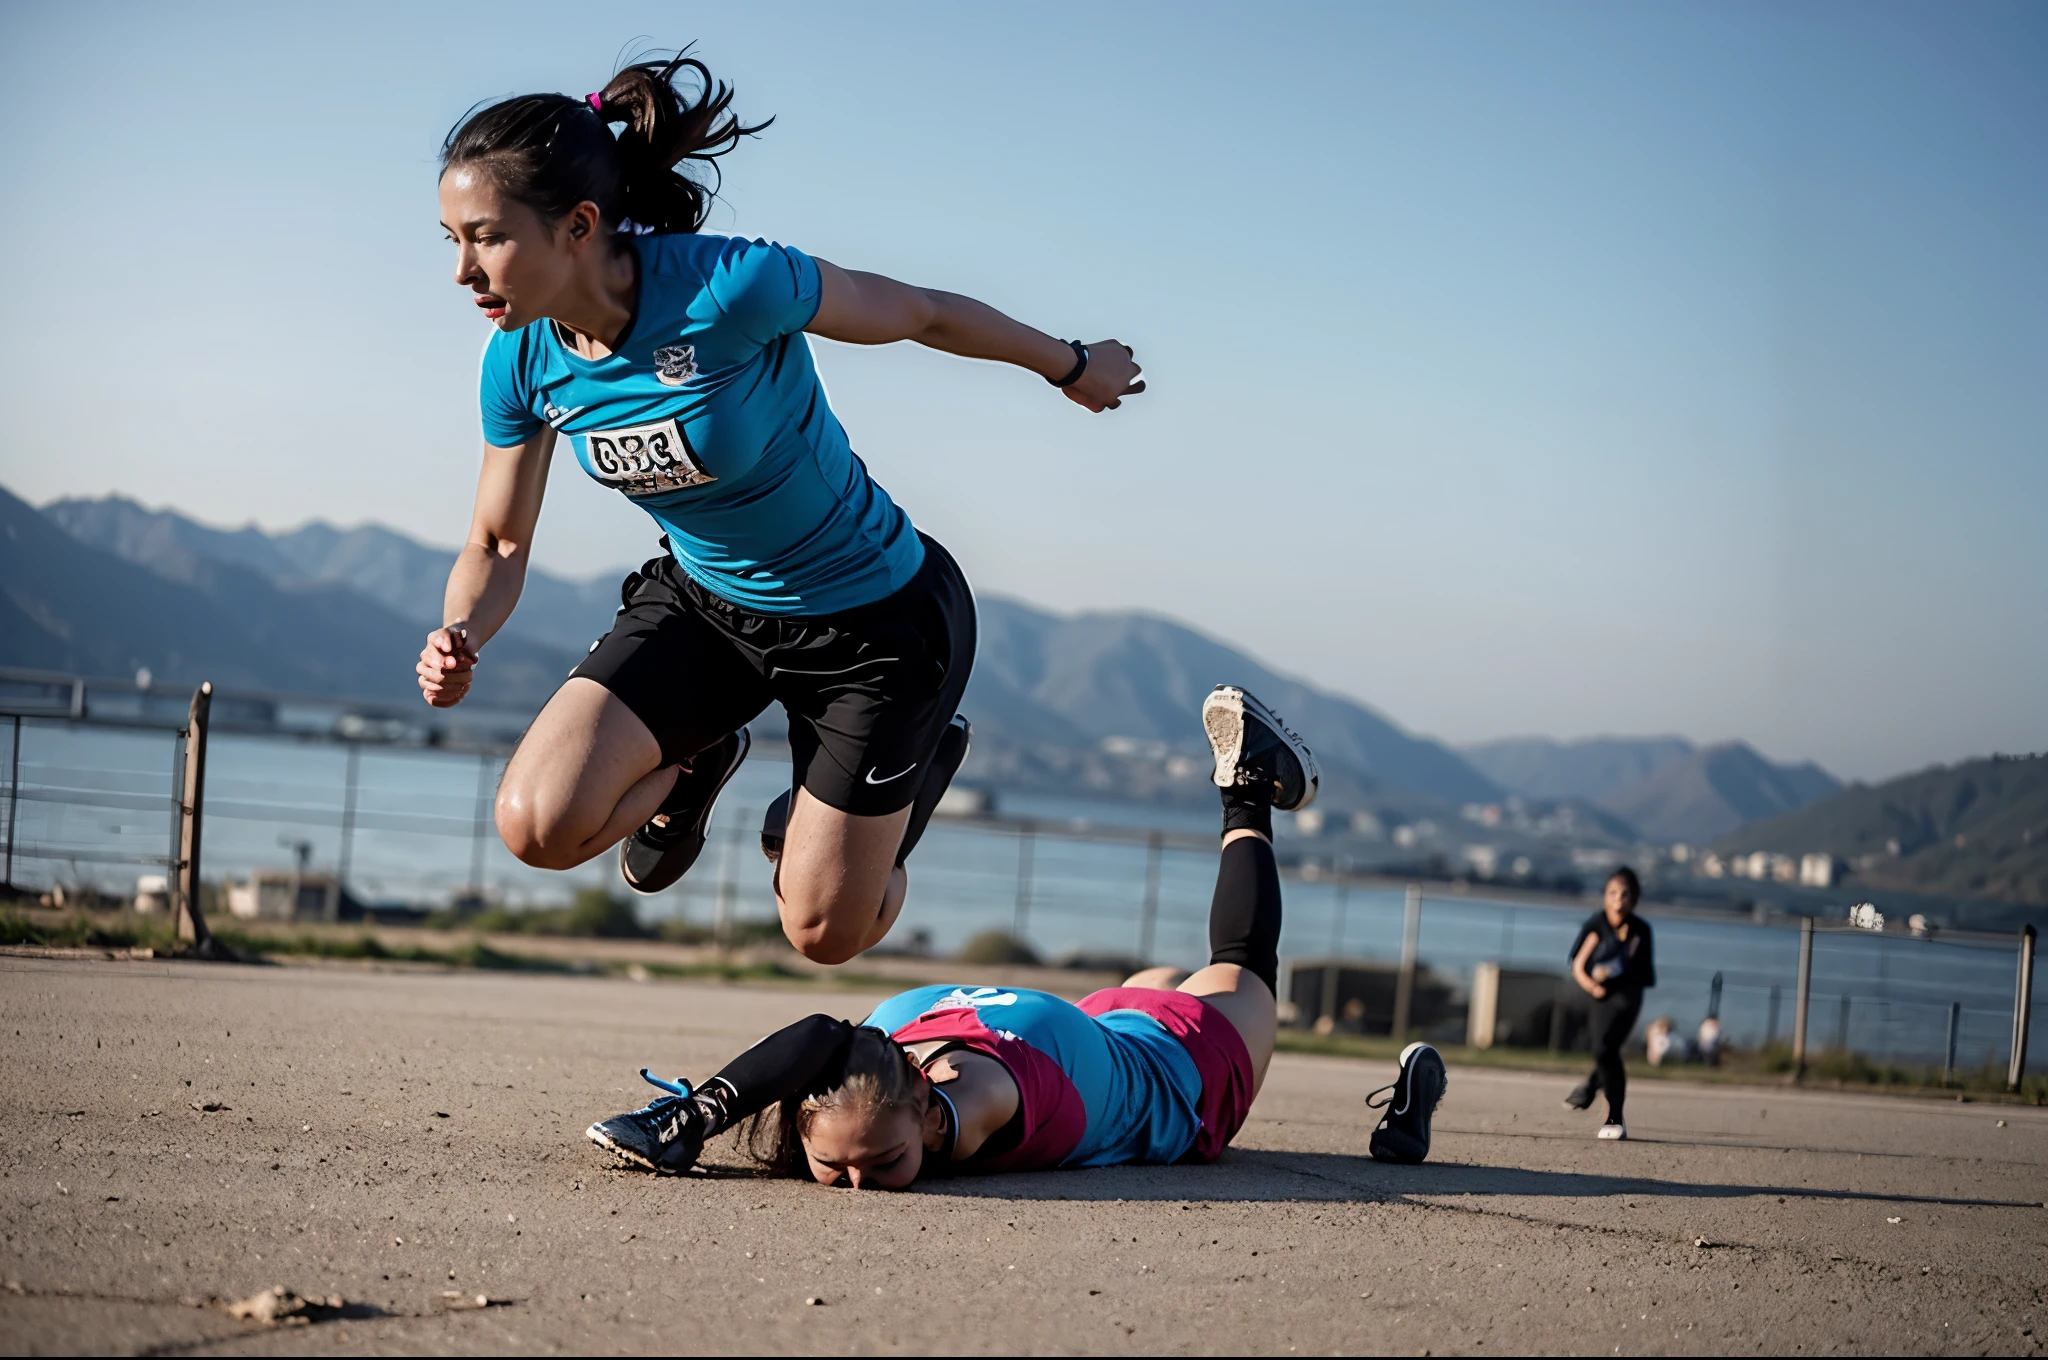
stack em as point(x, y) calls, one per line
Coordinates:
point(95, 809)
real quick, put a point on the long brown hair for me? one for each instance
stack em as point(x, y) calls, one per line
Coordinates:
point(879, 1076)
point(553, 151)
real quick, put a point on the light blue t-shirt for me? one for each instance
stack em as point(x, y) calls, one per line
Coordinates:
point(710, 417)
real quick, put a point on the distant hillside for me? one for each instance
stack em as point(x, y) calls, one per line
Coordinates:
point(64, 606)
point(1538, 767)
point(1101, 703)
point(1126, 680)
point(1714, 790)
point(1975, 829)
point(404, 576)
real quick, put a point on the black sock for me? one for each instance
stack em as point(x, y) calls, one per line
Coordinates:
point(1244, 916)
point(787, 1062)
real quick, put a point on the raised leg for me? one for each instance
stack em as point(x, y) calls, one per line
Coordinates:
point(838, 887)
point(1244, 932)
point(587, 774)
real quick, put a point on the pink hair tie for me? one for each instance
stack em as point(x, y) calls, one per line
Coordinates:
point(596, 102)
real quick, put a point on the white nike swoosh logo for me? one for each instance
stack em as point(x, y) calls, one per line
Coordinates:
point(892, 778)
point(561, 418)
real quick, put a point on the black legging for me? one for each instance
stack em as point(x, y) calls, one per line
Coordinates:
point(1614, 1019)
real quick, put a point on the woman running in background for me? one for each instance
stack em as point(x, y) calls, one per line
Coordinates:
point(952, 1079)
point(675, 363)
point(1614, 962)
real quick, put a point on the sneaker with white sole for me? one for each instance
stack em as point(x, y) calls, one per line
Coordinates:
point(663, 1137)
point(1403, 1133)
point(1613, 1131)
point(1252, 746)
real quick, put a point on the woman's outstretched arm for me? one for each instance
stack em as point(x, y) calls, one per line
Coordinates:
point(870, 309)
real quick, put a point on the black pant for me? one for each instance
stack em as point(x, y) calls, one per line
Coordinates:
point(1614, 1019)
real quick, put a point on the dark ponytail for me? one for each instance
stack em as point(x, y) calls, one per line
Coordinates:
point(553, 151)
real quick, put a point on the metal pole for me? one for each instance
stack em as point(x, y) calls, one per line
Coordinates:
point(1343, 910)
point(1022, 913)
point(1771, 1026)
point(2022, 1012)
point(1842, 1026)
point(1404, 986)
point(1804, 995)
point(1955, 1022)
point(191, 820)
point(1148, 915)
point(721, 923)
point(476, 831)
point(13, 795)
point(348, 834)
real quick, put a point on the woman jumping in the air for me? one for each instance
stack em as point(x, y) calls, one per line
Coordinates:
point(1005, 1079)
point(675, 363)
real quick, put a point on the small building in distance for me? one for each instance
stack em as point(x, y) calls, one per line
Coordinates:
point(282, 895)
point(1819, 871)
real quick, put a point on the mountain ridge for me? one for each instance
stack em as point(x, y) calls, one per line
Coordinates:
point(1100, 701)
point(1975, 828)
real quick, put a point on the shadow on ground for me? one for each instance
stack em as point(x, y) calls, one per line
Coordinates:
point(1262, 1177)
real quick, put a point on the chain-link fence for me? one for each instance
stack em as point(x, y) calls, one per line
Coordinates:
point(396, 814)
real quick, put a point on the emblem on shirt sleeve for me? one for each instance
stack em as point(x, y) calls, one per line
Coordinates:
point(960, 999)
point(645, 460)
point(675, 364)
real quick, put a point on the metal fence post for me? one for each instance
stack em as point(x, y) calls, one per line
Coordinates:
point(1948, 1062)
point(348, 833)
point(1148, 915)
point(13, 796)
point(1022, 912)
point(1842, 1026)
point(476, 834)
point(1771, 1025)
point(1404, 986)
point(728, 880)
point(191, 820)
point(1343, 909)
point(2022, 1012)
point(1804, 995)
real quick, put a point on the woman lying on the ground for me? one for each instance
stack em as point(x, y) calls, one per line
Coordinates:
point(1006, 1079)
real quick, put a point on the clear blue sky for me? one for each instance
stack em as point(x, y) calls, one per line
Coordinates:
point(1555, 368)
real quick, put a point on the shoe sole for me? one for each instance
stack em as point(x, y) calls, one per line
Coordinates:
point(704, 818)
point(603, 1140)
point(1607, 1137)
point(1386, 1151)
point(1223, 714)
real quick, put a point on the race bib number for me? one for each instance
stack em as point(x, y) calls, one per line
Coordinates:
point(645, 460)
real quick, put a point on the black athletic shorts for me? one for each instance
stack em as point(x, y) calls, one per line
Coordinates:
point(868, 691)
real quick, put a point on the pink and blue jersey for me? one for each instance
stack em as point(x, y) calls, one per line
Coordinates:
point(1095, 1089)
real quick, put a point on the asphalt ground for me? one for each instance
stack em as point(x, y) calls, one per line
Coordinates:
point(178, 1135)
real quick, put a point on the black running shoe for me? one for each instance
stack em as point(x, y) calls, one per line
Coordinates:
point(775, 826)
point(1581, 1098)
point(945, 762)
point(1403, 1135)
point(662, 851)
point(1253, 746)
point(664, 1137)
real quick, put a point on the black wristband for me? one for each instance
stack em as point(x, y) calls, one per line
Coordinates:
point(1080, 366)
